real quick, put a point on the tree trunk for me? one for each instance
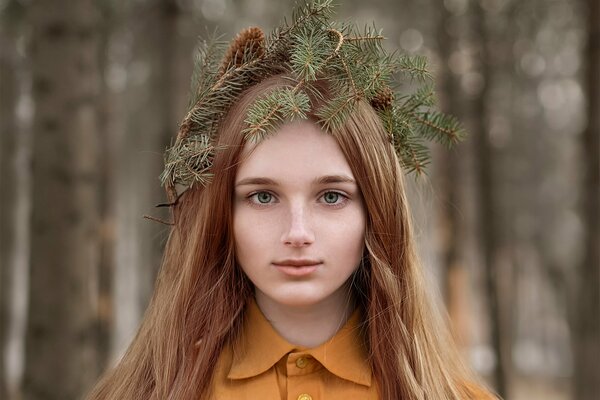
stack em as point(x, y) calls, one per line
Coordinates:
point(108, 173)
point(587, 321)
point(61, 355)
point(455, 278)
point(8, 145)
point(150, 124)
point(488, 222)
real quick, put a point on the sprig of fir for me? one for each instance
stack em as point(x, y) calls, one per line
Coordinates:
point(311, 47)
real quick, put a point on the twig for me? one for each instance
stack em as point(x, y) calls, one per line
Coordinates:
point(162, 221)
point(174, 203)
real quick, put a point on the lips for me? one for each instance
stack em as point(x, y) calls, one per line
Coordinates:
point(300, 262)
point(297, 267)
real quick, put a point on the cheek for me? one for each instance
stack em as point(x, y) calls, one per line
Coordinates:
point(347, 240)
point(250, 237)
point(242, 238)
point(356, 243)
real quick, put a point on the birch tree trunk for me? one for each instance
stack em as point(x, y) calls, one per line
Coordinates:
point(61, 345)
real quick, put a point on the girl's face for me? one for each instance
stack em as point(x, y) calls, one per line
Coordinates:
point(298, 217)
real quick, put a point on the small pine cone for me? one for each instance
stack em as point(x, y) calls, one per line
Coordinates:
point(251, 38)
point(184, 129)
point(383, 99)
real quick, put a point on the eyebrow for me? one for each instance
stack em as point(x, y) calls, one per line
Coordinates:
point(323, 180)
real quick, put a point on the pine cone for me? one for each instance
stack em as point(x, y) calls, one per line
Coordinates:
point(383, 99)
point(184, 129)
point(251, 39)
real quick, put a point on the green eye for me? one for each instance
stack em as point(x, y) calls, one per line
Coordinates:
point(331, 197)
point(263, 197)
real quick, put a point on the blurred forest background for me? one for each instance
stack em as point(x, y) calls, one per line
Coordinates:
point(91, 93)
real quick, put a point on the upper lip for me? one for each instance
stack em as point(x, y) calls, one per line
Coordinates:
point(297, 262)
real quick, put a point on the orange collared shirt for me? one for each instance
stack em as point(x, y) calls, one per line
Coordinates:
point(266, 366)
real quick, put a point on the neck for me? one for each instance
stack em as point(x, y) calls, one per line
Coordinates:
point(308, 325)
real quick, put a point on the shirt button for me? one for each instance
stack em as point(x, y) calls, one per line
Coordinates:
point(301, 363)
point(304, 396)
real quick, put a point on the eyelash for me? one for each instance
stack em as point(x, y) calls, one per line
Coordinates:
point(345, 199)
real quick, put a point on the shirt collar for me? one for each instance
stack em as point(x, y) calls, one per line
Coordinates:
point(259, 347)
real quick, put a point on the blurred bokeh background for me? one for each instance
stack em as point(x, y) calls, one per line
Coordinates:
point(91, 93)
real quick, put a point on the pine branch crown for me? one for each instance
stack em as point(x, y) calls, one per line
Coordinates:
point(311, 46)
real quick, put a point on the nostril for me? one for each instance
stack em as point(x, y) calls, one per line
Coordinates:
point(298, 235)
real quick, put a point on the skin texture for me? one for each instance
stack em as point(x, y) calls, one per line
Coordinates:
point(296, 218)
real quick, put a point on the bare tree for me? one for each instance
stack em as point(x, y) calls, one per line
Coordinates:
point(488, 222)
point(454, 271)
point(108, 172)
point(8, 145)
point(150, 121)
point(61, 348)
point(586, 335)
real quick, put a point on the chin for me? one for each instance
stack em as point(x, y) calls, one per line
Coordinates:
point(296, 298)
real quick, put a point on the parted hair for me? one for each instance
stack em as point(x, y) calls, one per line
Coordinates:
point(201, 292)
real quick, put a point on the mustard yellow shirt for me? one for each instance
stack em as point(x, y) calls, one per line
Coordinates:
point(263, 365)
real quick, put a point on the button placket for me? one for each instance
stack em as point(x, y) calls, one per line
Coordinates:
point(301, 362)
point(300, 367)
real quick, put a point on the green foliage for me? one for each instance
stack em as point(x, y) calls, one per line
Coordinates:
point(414, 66)
point(312, 48)
point(278, 106)
point(207, 59)
point(310, 52)
point(192, 158)
point(333, 114)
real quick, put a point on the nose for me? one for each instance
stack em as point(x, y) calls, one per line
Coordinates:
point(298, 232)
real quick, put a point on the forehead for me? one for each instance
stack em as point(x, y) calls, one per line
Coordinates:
point(295, 152)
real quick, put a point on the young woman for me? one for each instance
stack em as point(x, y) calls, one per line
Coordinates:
point(292, 273)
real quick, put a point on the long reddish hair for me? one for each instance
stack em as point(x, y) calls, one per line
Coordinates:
point(201, 292)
